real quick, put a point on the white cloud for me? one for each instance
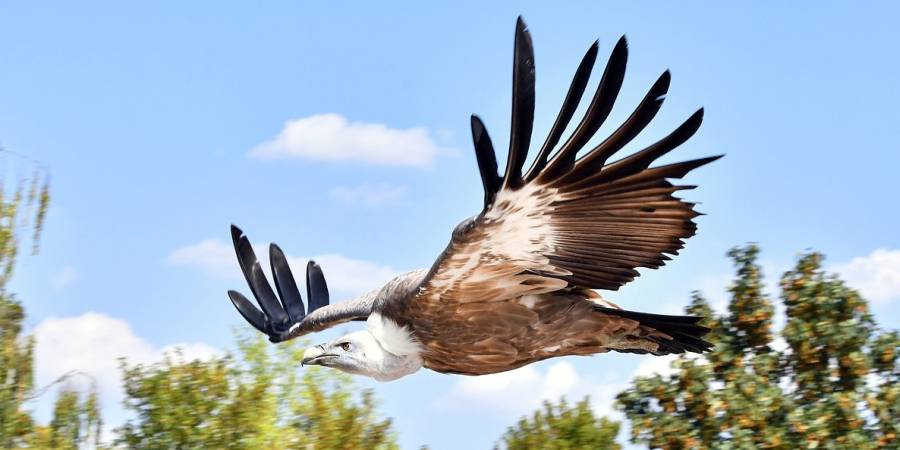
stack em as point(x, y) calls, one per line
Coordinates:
point(876, 275)
point(656, 365)
point(369, 194)
point(91, 344)
point(331, 137)
point(347, 275)
point(344, 275)
point(64, 278)
point(210, 255)
point(521, 391)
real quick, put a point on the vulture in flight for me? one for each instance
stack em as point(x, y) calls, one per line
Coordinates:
point(516, 283)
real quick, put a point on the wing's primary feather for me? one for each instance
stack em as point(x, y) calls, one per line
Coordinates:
point(285, 284)
point(597, 112)
point(316, 288)
point(287, 319)
point(522, 107)
point(261, 289)
point(570, 104)
point(572, 222)
point(639, 119)
point(487, 160)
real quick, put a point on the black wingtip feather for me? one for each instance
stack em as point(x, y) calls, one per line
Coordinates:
point(566, 111)
point(594, 159)
point(285, 283)
point(641, 160)
point(522, 121)
point(236, 233)
point(697, 163)
point(250, 313)
point(597, 112)
point(257, 280)
point(487, 160)
point(316, 288)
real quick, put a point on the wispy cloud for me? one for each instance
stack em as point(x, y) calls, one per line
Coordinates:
point(91, 345)
point(64, 278)
point(331, 137)
point(521, 391)
point(876, 275)
point(210, 256)
point(344, 275)
point(378, 194)
point(348, 275)
point(656, 365)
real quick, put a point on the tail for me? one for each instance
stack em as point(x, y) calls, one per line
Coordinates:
point(677, 334)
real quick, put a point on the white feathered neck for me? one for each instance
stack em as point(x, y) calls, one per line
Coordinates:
point(393, 338)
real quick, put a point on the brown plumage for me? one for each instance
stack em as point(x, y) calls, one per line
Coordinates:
point(514, 285)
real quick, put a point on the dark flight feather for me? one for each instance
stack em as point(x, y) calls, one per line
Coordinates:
point(599, 109)
point(286, 319)
point(487, 160)
point(316, 288)
point(253, 315)
point(285, 284)
point(256, 279)
point(570, 104)
point(522, 106)
point(639, 119)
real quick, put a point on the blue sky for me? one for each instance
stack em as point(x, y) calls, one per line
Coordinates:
point(147, 115)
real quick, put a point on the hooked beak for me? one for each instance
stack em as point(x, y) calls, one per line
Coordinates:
point(313, 356)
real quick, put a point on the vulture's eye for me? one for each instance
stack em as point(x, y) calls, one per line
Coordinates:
point(345, 346)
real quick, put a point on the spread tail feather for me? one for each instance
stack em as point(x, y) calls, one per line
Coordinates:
point(686, 335)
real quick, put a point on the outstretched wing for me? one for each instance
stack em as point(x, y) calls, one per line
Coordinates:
point(567, 221)
point(287, 318)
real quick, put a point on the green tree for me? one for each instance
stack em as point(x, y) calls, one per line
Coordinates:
point(16, 357)
point(562, 427)
point(75, 424)
point(25, 207)
point(260, 399)
point(76, 421)
point(746, 395)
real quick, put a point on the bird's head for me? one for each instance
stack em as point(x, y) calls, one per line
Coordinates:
point(360, 353)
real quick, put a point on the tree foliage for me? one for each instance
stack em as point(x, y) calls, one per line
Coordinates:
point(26, 206)
point(16, 359)
point(562, 427)
point(261, 399)
point(76, 423)
point(833, 383)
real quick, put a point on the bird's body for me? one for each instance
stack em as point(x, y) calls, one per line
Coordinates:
point(515, 285)
point(524, 330)
point(498, 335)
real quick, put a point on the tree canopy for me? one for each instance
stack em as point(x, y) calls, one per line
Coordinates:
point(829, 379)
point(259, 399)
point(561, 426)
point(21, 209)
